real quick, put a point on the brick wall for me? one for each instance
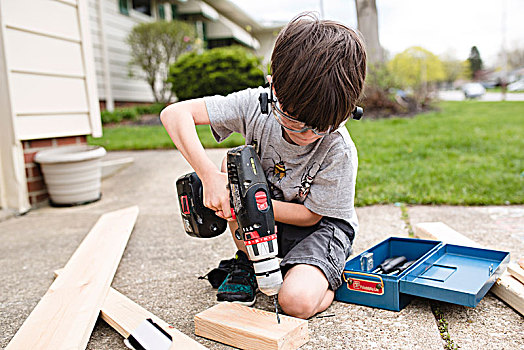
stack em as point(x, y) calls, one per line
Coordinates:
point(35, 182)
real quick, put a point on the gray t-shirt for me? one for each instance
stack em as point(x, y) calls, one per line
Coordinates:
point(321, 175)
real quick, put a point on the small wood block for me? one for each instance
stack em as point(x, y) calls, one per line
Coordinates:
point(249, 328)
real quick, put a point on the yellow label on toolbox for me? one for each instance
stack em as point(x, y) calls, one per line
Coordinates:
point(364, 285)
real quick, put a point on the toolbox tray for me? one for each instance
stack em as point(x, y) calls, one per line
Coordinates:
point(452, 273)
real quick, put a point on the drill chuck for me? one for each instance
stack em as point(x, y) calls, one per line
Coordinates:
point(269, 277)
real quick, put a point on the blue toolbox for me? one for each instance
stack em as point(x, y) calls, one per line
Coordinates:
point(391, 273)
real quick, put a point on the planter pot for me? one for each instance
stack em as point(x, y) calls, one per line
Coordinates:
point(72, 174)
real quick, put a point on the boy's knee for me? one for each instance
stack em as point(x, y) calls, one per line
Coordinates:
point(297, 303)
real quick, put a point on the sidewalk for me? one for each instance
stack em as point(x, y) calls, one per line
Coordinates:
point(161, 264)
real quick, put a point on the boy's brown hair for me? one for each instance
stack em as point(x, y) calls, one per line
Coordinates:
point(318, 69)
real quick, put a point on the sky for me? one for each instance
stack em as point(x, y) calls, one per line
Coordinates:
point(445, 27)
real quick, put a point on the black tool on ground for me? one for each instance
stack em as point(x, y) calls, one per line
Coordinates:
point(198, 220)
point(390, 264)
point(401, 268)
point(251, 202)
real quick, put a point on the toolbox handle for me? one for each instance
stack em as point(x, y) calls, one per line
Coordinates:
point(379, 288)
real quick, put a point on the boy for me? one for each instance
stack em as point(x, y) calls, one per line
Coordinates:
point(309, 159)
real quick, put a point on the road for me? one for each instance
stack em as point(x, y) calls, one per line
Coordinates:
point(457, 95)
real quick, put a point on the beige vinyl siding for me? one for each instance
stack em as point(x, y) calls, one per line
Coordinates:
point(116, 29)
point(50, 68)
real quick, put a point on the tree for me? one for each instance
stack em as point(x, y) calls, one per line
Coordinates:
point(415, 68)
point(154, 47)
point(475, 62)
point(455, 69)
point(515, 58)
point(368, 25)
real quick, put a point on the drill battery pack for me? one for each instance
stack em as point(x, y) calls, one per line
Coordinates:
point(199, 221)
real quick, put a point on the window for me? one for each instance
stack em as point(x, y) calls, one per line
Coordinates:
point(142, 6)
point(161, 11)
point(174, 14)
point(122, 5)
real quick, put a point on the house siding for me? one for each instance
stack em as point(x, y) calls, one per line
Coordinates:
point(117, 27)
point(48, 94)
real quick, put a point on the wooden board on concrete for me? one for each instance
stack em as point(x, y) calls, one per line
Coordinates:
point(249, 328)
point(125, 316)
point(441, 232)
point(66, 315)
point(506, 288)
point(516, 271)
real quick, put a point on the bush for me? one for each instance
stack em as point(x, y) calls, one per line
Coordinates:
point(154, 108)
point(379, 99)
point(119, 114)
point(218, 71)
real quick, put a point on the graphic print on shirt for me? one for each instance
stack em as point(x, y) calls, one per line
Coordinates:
point(305, 183)
point(278, 171)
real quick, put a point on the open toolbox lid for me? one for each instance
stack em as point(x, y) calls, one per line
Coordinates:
point(455, 274)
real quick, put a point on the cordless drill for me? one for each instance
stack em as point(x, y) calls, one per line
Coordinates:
point(251, 202)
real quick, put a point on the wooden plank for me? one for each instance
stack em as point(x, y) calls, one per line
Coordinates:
point(516, 271)
point(441, 232)
point(249, 328)
point(506, 288)
point(511, 291)
point(124, 315)
point(66, 315)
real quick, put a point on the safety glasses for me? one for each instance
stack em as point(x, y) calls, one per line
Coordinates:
point(291, 124)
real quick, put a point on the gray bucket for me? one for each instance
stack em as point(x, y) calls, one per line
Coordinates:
point(72, 174)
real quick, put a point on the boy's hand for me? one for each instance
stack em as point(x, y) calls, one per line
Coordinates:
point(216, 194)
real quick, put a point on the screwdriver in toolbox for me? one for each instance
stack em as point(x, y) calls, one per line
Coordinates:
point(400, 269)
point(390, 264)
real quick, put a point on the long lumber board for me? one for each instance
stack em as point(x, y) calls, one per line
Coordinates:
point(516, 271)
point(66, 315)
point(249, 328)
point(507, 288)
point(124, 315)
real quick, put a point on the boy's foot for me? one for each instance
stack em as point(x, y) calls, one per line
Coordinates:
point(240, 284)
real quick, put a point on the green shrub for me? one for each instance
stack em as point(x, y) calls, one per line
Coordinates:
point(218, 71)
point(119, 114)
point(154, 108)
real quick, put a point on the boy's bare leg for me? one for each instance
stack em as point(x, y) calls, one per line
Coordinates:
point(305, 292)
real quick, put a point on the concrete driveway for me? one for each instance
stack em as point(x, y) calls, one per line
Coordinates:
point(161, 265)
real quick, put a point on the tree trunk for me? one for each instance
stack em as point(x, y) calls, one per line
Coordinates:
point(368, 26)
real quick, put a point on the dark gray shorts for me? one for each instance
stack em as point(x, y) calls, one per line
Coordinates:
point(325, 245)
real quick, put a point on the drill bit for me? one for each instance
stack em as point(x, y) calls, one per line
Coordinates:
point(276, 307)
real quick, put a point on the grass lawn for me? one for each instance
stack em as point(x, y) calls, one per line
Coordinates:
point(154, 137)
point(468, 153)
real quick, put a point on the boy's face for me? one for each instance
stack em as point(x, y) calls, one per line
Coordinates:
point(292, 127)
point(301, 139)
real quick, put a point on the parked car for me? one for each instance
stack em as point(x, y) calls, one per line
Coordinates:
point(516, 86)
point(473, 90)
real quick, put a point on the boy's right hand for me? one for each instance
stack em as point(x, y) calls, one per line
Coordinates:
point(216, 194)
